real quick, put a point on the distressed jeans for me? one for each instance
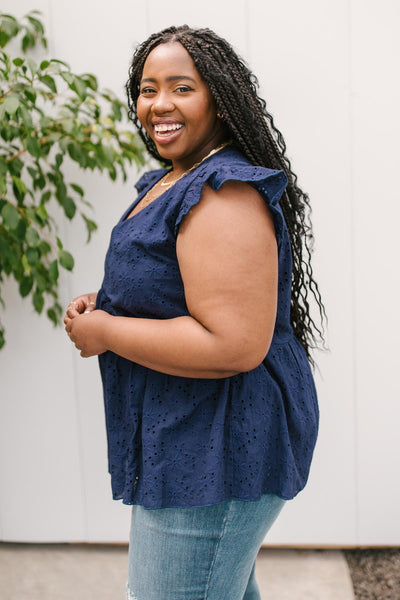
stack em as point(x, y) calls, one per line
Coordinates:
point(202, 553)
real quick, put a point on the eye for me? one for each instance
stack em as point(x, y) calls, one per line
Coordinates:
point(183, 88)
point(147, 90)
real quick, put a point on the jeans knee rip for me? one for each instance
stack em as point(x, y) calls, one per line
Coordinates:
point(129, 594)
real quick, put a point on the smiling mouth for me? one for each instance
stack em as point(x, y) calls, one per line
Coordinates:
point(165, 130)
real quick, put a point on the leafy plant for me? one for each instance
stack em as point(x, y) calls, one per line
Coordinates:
point(48, 113)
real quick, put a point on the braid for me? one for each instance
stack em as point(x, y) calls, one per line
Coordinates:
point(252, 129)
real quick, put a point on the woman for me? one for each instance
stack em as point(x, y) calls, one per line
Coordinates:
point(202, 326)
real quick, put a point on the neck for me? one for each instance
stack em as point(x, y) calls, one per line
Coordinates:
point(182, 165)
point(167, 182)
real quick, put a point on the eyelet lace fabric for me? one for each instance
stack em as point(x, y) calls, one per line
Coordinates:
point(179, 441)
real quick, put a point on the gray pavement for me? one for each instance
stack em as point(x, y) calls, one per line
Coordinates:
point(94, 572)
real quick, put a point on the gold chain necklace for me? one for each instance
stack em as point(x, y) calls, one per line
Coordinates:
point(165, 183)
point(152, 193)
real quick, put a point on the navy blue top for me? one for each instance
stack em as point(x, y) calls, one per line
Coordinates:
point(180, 441)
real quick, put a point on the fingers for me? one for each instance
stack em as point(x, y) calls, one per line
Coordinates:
point(90, 307)
point(67, 322)
point(80, 305)
point(73, 309)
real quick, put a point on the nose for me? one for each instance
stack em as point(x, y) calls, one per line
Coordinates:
point(163, 103)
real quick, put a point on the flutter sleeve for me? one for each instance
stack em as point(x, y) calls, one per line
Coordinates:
point(269, 183)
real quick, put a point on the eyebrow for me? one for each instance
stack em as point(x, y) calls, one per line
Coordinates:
point(171, 78)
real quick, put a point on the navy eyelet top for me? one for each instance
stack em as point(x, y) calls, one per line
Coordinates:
point(180, 441)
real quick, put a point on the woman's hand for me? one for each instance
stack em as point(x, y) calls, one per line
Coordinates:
point(87, 331)
point(81, 304)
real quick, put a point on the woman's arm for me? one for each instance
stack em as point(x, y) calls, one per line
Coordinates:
point(227, 255)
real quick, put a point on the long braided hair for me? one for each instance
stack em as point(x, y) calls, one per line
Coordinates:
point(252, 130)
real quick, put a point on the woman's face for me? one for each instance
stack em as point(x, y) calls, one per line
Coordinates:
point(176, 108)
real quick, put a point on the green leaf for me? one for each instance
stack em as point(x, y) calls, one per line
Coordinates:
point(53, 271)
point(109, 153)
point(66, 260)
point(2, 112)
point(26, 117)
point(91, 226)
point(44, 64)
point(15, 167)
point(44, 247)
point(68, 77)
point(41, 277)
point(18, 270)
point(20, 230)
point(4, 39)
point(49, 82)
point(61, 191)
point(77, 189)
point(69, 207)
point(11, 103)
point(3, 167)
point(116, 109)
point(10, 216)
point(37, 25)
point(25, 265)
point(32, 256)
point(9, 26)
point(8, 133)
point(77, 154)
point(19, 188)
point(52, 315)
point(59, 62)
point(32, 237)
point(4, 247)
point(32, 65)
point(18, 62)
point(33, 147)
point(28, 41)
point(30, 93)
point(3, 185)
point(38, 301)
point(45, 198)
point(25, 286)
point(42, 214)
point(80, 87)
point(45, 122)
point(40, 182)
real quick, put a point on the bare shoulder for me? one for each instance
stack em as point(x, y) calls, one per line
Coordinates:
point(235, 201)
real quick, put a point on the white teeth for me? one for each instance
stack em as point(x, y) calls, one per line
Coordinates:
point(161, 128)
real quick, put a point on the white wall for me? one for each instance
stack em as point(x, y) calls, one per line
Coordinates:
point(329, 73)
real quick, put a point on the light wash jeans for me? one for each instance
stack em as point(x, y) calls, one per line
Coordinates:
point(204, 553)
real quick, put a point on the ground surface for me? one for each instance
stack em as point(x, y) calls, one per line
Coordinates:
point(375, 573)
point(88, 572)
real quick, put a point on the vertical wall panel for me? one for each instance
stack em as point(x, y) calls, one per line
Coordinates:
point(300, 52)
point(227, 19)
point(104, 48)
point(41, 484)
point(40, 472)
point(376, 101)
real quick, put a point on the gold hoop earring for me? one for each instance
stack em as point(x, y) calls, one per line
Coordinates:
point(220, 115)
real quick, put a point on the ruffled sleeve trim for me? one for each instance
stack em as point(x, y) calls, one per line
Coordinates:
point(269, 183)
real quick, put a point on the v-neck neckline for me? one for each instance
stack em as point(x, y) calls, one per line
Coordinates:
point(125, 217)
